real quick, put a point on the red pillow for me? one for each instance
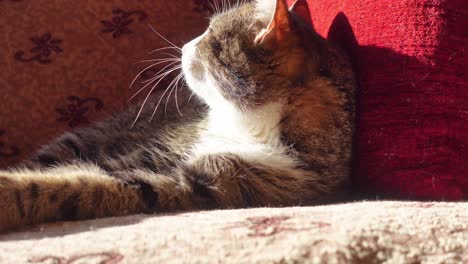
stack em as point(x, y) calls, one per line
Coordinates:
point(412, 126)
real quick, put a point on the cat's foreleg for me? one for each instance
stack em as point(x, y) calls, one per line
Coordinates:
point(65, 193)
point(228, 181)
point(207, 182)
point(84, 191)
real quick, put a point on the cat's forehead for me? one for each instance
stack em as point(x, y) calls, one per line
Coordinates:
point(244, 14)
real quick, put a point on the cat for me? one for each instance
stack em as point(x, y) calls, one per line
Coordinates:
point(272, 125)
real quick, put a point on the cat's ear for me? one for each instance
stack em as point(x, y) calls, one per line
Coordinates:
point(279, 27)
point(301, 9)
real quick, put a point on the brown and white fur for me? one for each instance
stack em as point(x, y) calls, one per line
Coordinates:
point(273, 127)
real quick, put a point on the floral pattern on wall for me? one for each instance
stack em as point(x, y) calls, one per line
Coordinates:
point(121, 21)
point(77, 109)
point(44, 46)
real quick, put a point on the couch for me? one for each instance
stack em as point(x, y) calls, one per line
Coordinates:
point(68, 63)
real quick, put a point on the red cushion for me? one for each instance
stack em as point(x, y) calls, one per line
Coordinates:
point(412, 126)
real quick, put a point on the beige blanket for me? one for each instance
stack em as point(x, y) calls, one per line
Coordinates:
point(364, 232)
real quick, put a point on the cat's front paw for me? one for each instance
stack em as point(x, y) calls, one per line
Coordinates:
point(65, 149)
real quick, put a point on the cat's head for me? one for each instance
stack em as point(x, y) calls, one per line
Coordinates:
point(251, 55)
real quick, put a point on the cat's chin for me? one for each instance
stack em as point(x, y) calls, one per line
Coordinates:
point(192, 67)
point(195, 83)
point(206, 90)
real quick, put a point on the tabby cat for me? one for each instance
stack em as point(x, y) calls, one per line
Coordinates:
point(273, 126)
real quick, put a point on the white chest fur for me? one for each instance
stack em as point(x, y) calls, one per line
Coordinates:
point(253, 136)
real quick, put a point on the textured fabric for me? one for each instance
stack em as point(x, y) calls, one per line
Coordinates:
point(412, 139)
point(366, 232)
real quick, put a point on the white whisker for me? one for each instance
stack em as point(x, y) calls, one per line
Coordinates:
point(151, 90)
point(217, 11)
point(166, 48)
point(159, 34)
point(162, 96)
point(142, 71)
point(150, 81)
point(212, 7)
point(181, 76)
point(213, 3)
point(160, 72)
point(173, 65)
point(162, 60)
point(172, 55)
point(173, 84)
